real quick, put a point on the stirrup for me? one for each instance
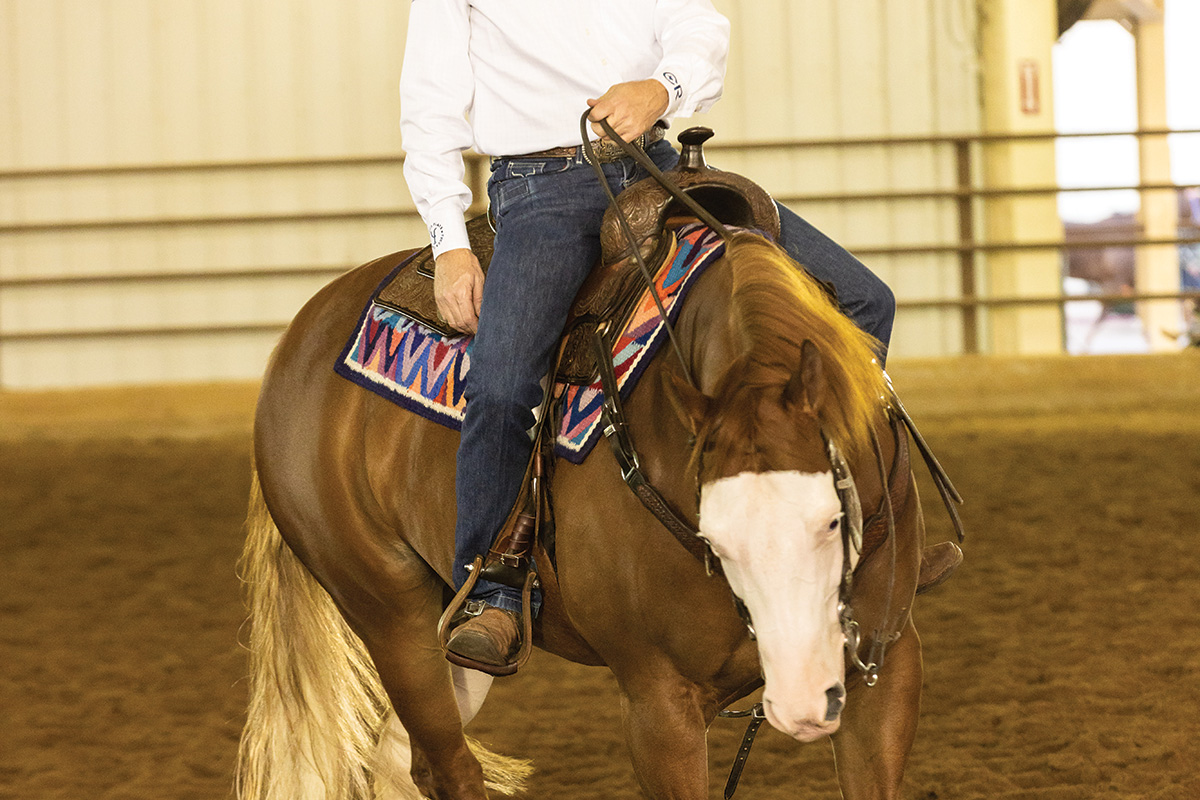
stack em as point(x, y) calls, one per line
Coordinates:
point(460, 601)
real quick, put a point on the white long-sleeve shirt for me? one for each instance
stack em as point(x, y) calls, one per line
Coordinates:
point(509, 77)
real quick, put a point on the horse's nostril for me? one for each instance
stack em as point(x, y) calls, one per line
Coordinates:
point(834, 696)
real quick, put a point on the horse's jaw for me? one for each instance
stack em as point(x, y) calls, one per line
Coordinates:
point(781, 551)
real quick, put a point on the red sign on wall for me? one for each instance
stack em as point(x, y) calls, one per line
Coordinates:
point(1027, 75)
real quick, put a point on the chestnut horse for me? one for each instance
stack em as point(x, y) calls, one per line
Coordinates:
point(350, 542)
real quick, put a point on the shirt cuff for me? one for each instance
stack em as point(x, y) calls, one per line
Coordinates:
point(447, 228)
point(671, 82)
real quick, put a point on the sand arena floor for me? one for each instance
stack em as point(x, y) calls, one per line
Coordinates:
point(1062, 661)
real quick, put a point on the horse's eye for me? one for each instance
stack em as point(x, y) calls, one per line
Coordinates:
point(833, 526)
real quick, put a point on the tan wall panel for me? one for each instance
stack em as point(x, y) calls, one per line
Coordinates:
point(818, 69)
point(110, 361)
point(85, 83)
point(180, 81)
point(145, 81)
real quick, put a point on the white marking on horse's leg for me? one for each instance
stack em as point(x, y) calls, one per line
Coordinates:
point(393, 763)
point(470, 689)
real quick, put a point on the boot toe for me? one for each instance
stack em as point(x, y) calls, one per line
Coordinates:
point(938, 563)
point(477, 646)
point(492, 638)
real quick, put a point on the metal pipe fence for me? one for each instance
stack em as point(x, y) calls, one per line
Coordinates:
point(965, 195)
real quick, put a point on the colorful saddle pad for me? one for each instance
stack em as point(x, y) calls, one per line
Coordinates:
point(424, 371)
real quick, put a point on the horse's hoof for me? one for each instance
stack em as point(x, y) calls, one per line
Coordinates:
point(488, 642)
point(938, 563)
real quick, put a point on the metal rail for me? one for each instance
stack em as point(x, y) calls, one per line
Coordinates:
point(963, 195)
point(248, 273)
point(400, 213)
point(278, 327)
point(384, 160)
point(153, 223)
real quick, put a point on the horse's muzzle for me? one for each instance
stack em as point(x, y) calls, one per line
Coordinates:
point(806, 726)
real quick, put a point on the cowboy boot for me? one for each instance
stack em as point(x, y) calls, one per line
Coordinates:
point(490, 638)
point(938, 562)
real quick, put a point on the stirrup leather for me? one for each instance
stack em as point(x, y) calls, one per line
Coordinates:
point(509, 560)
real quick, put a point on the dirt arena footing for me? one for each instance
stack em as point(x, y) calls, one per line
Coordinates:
point(1062, 660)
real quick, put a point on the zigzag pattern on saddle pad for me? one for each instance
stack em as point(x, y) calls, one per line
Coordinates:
point(424, 371)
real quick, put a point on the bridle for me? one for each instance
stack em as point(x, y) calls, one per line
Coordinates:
point(852, 544)
point(617, 432)
point(852, 547)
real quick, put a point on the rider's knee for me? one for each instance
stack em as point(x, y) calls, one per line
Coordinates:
point(875, 310)
point(884, 304)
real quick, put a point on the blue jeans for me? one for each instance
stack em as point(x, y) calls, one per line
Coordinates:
point(548, 214)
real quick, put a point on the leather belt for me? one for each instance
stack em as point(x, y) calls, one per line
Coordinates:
point(606, 151)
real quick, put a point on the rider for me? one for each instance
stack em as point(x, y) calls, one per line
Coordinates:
point(510, 78)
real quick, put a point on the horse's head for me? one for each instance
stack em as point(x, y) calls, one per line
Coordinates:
point(769, 507)
point(770, 512)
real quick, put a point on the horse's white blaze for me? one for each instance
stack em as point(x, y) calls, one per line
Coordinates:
point(778, 536)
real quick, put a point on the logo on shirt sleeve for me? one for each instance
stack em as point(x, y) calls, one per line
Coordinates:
point(435, 234)
point(676, 88)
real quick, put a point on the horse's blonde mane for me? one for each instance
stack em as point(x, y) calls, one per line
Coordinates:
point(778, 306)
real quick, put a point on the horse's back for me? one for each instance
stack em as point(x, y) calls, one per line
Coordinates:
point(353, 479)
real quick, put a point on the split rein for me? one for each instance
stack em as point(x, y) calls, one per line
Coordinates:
point(616, 430)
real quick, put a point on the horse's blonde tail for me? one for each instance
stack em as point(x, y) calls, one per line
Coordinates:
point(319, 725)
point(316, 703)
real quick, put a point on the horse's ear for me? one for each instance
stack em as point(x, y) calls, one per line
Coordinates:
point(806, 388)
point(690, 403)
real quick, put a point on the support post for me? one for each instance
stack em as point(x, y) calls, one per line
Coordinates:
point(966, 238)
point(1017, 37)
point(1156, 266)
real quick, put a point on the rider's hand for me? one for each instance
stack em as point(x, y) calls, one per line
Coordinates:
point(631, 108)
point(458, 288)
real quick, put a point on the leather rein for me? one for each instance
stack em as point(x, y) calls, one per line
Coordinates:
point(616, 430)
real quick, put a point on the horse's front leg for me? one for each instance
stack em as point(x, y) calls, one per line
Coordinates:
point(879, 724)
point(665, 726)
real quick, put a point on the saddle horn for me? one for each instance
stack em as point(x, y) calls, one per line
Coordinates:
point(732, 199)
